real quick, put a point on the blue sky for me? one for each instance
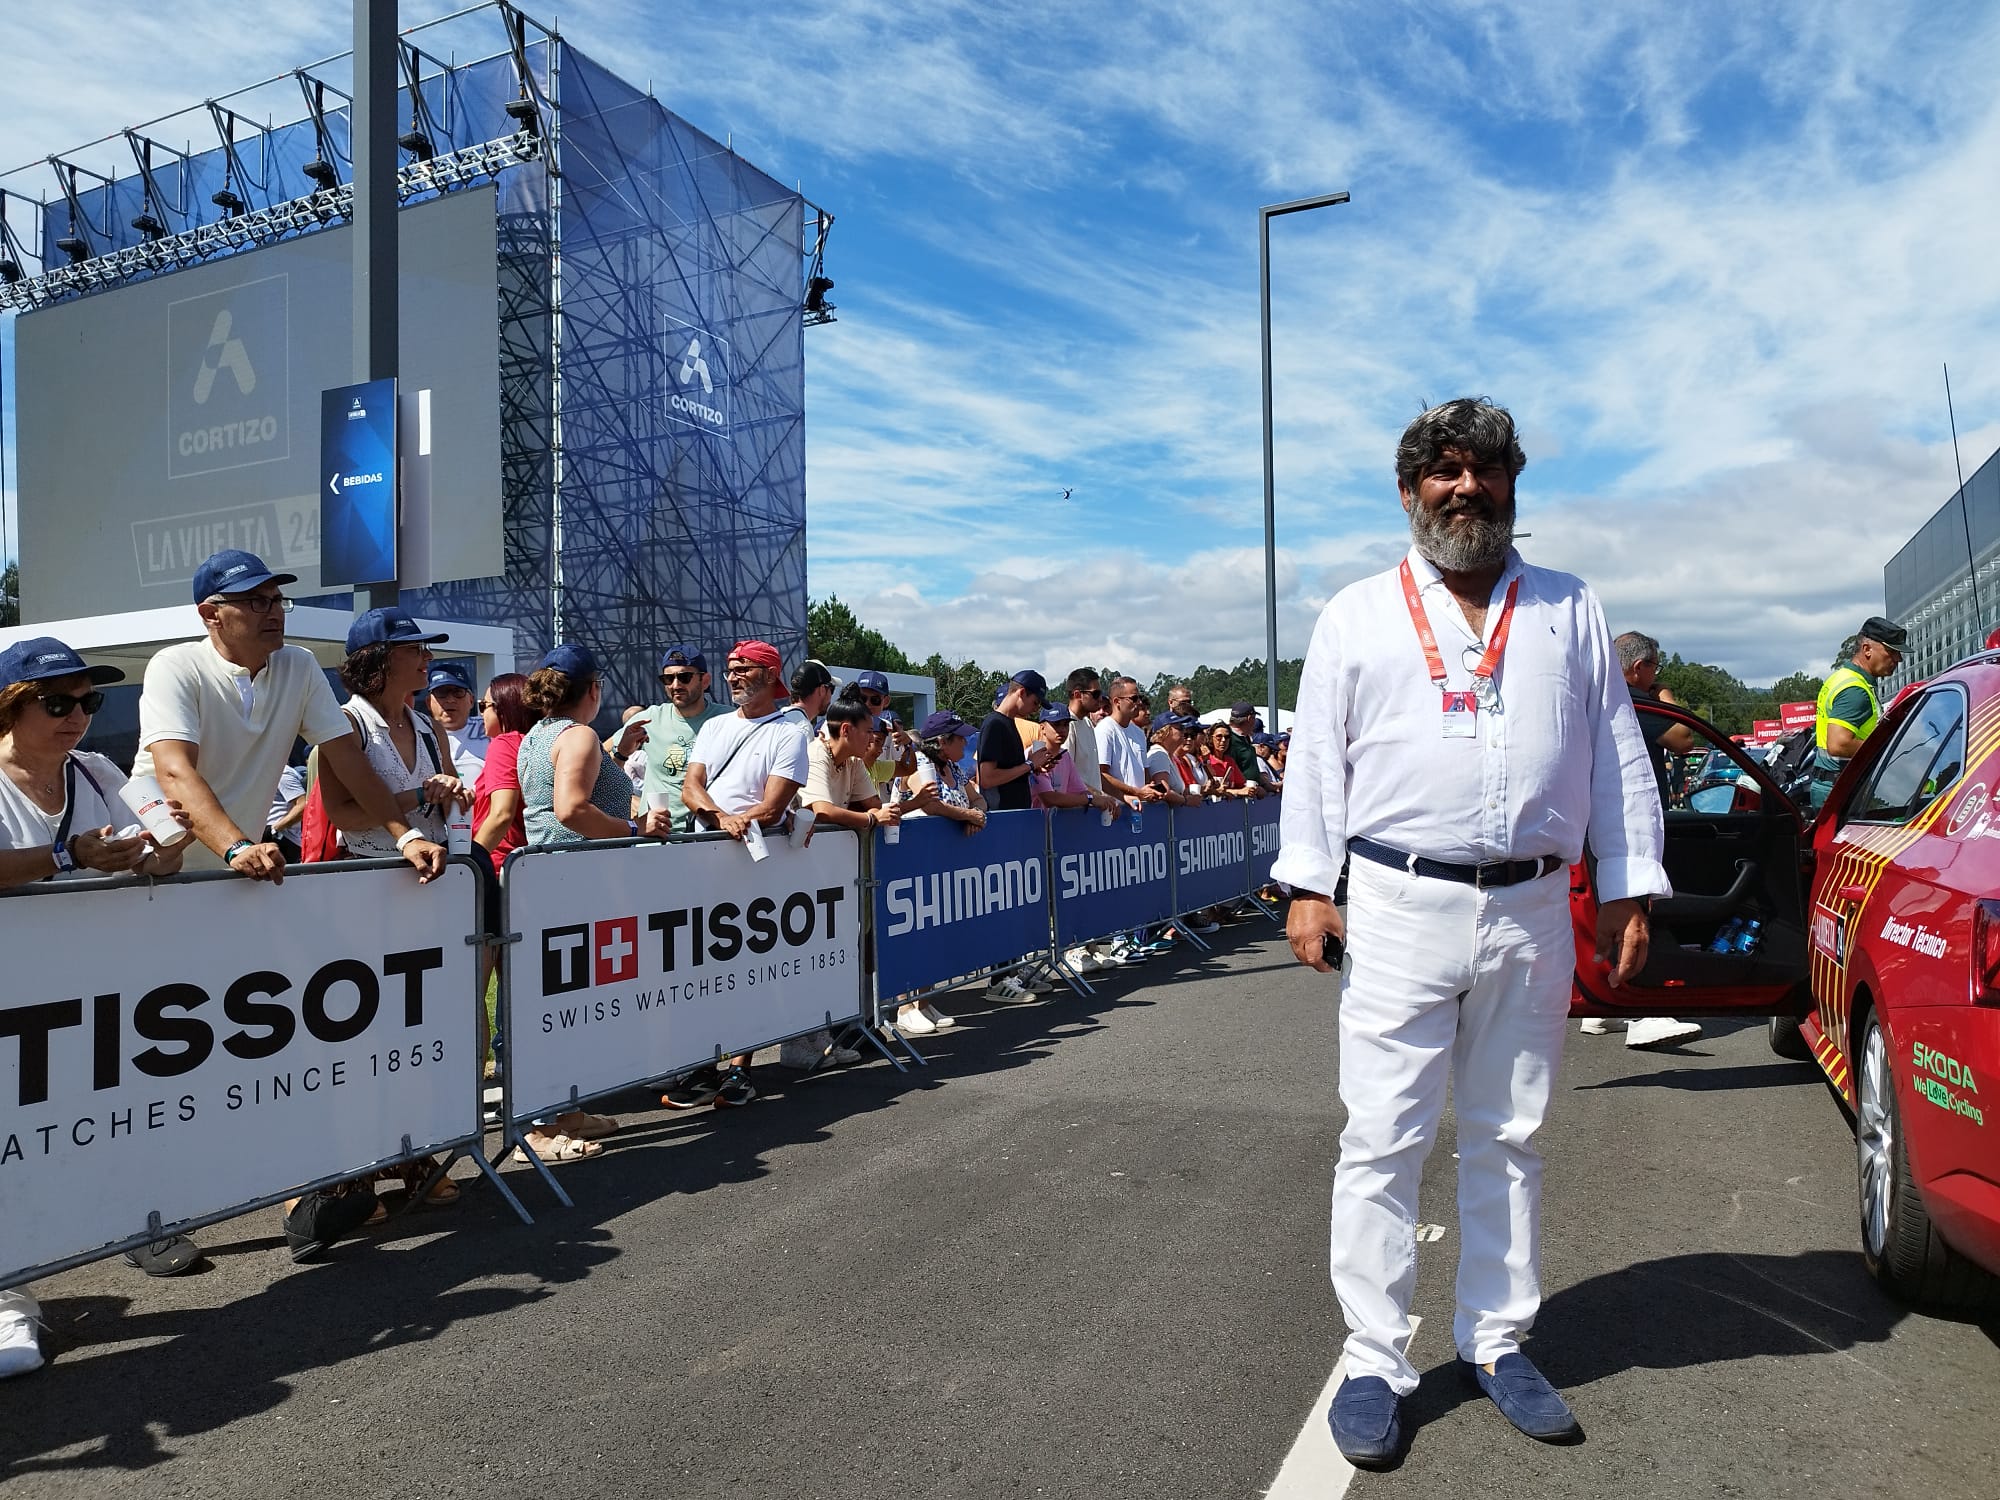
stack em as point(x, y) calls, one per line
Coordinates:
point(1713, 257)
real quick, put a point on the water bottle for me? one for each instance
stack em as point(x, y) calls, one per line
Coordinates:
point(1725, 940)
point(1746, 940)
point(1138, 821)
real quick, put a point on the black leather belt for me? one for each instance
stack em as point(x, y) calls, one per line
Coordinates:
point(1500, 872)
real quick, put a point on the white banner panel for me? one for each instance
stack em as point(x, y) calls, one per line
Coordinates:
point(640, 961)
point(191, 1048)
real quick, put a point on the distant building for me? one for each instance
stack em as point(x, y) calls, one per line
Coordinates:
point(1928, 589)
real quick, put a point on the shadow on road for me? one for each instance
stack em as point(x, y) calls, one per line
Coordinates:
point(1770, 1075)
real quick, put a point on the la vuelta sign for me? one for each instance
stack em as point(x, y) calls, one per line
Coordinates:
point(186, 1048)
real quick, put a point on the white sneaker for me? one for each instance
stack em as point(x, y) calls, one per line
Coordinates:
point(938, 1019)
point(1599, 1025)
point(1006, 990)
point(1660, 1031)
point(1091, 961)
point(914, 1022)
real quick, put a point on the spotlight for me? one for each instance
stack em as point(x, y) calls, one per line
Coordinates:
point(11, 272)
point(524, 112)
point(418, 145)
point(228, 202)
point(75, 247)
point(816, 290)
point(322, 174)
point(150, 227)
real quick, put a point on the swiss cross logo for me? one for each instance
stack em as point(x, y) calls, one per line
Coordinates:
point(616, 946)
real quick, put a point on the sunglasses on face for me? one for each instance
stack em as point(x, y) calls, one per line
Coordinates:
point(672, 679)
point(874, 700)
point(58, 705)
point(483, 704)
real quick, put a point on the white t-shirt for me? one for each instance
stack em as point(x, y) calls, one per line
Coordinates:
point(1082, 749)
point(242, 726)
point(1158, 762)
point(1124, 750)
point(468, 750)
point(23, 825)
point(740, 755)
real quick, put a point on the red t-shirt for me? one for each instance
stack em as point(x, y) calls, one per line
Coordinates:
point(497, 775)
point(1218, 765)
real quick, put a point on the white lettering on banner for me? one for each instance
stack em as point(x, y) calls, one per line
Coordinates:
point(229, 435)
point(237, 1039)
point(624, 987)
point(1917, 938)
point(961, 895)
point(697, 409)
point(1210, 851)
point(1263, 839)
point(1098, 870)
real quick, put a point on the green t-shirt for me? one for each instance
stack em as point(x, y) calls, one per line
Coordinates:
point(669, 737)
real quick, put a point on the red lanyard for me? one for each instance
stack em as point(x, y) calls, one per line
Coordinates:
point(1426, 638)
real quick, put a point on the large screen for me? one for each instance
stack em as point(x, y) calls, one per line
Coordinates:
point(166, 420)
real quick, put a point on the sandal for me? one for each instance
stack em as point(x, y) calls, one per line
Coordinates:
point(412, 1174)
point(554, 1148)
point(583, 1126)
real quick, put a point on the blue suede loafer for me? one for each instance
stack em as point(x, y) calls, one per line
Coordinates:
point(1524, 1397)
point(1366, 1422)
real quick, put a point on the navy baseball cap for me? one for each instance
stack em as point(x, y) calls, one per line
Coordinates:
point(391, 625)
point(1266, 740)
point(1174, 721)
point(450, 674)
point(871, 682)
point(942, 725)
point(683, 656)
point(1033, 682)
point(233, 571)
point(572, 660)
point(1055, 713)
point(45, 657)
point(1242, 710)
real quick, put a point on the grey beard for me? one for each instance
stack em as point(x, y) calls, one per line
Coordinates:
point(1470, 548)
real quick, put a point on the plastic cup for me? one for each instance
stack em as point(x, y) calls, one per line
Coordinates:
point(660, 801)
point(802, 826)
point(892, 833)
point(1106, 816)
point(753, 840)
point(458, 830)
point(143, 795)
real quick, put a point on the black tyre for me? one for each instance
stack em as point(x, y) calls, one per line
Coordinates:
point(1902, 1248)
point(1787, 1040)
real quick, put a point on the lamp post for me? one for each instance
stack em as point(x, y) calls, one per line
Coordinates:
point(1264, 218)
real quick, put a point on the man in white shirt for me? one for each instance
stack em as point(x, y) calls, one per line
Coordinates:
point(1121, 747)
point(1462, 726)
point(451, 709)
point(217, 718)
point(1086, 694)
point(745, 767)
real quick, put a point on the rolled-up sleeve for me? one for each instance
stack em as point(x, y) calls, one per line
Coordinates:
point(1312, 822)
point(1627, 830)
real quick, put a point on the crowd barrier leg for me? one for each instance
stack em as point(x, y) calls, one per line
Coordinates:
point(511, 1136)
point(871, 1002)
point(1059, 956)
point(1180, 925)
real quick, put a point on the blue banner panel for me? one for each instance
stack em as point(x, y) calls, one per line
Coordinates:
point(1211, 854)
point(1109, 879)
point(949, 903)
point(357, 479)
point(1263, 839)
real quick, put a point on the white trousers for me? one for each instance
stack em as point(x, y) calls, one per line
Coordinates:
point(1445, 980)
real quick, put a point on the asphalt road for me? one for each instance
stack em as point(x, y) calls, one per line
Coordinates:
point(1084, 1254)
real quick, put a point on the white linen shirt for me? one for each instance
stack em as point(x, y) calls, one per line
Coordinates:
point(1562, 761)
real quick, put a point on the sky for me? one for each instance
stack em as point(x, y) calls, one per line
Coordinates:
point(1714, 258)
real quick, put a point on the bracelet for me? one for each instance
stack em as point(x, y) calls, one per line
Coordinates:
point(408, 834)
point(65, 861)
point(229, 854)
point(632, 827)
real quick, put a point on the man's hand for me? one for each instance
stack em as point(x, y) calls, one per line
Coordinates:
point(630, 738)
point(1622, 938)
point(1104, 802)
point(1313, 917)
point(734, 824)
point(426, 858)
point(889, 815)
point(262, 862)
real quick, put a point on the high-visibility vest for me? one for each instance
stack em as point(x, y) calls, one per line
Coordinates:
point(1843, 678)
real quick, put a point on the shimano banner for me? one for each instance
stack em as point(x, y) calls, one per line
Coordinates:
point(194, 1047)
point(641, 960)
point(949, 902)
point(1263, 841)
point(1109, 879)
point(1211, 854)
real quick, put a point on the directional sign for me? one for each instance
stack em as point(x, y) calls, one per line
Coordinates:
point(357, 498)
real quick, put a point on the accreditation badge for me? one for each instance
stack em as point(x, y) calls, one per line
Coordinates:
point(1461, 716)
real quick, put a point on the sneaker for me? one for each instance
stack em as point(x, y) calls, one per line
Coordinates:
point(840, 1057)
point(914, 1022)
point(736, 1090)
point(693, 1091)
point(1006, 990)
point(1204, 928)
point(938, 1019)
point(1599, 1025)
point(1034, 983)
point(1660, 1031)
point(1126, 953)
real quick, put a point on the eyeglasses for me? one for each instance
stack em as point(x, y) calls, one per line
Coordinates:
point(483, 704)
point(749, 671)
point(58, 705)
point(1125, 698)
point(873, 700)
point(673, 678)
point(257, 604)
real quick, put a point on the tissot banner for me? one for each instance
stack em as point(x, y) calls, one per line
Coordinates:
point(1109, 879)
point(187, 1048)
point(1211, 854)
point(950, 902)
point(641, 960)
point(1263, 839)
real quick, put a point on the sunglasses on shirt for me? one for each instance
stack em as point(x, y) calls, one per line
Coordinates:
point(58, 705)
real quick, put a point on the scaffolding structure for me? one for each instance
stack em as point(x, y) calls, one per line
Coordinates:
point(653, 289)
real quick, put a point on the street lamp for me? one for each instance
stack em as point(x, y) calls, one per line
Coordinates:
point(1264, 218)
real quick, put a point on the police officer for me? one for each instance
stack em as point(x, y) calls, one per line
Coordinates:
point(1848, 708)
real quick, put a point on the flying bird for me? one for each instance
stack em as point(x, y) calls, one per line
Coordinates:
point(1065, 494)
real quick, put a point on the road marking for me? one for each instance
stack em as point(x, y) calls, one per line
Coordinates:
point(1314, 1469)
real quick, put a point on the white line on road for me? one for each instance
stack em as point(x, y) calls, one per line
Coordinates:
point(1314, 1469)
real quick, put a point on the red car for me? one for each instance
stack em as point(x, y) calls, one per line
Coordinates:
point(1877, 953)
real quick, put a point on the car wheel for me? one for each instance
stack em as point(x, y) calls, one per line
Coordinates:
point(1900, 1245)
point(1787, 1040)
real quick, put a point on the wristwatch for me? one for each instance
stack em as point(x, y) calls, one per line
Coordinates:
point(65, 861)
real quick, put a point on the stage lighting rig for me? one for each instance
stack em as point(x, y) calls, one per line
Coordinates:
point(417, 144)
point(227, 200)
point(324, 177)
point(817, 310)
point(75, 246)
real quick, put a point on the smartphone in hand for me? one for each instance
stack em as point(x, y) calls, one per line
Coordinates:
point(1332, 949)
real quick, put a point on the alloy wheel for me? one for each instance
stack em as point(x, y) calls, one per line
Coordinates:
point(1875, 1139)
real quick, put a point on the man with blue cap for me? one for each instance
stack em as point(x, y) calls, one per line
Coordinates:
point(452, 706)
point(217, 718)
point(669, 728)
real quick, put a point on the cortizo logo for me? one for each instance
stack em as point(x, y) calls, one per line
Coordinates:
point(947, 896)
point(694, 367)
point(337, 1003)
point(587, 955)
point(224, 352)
